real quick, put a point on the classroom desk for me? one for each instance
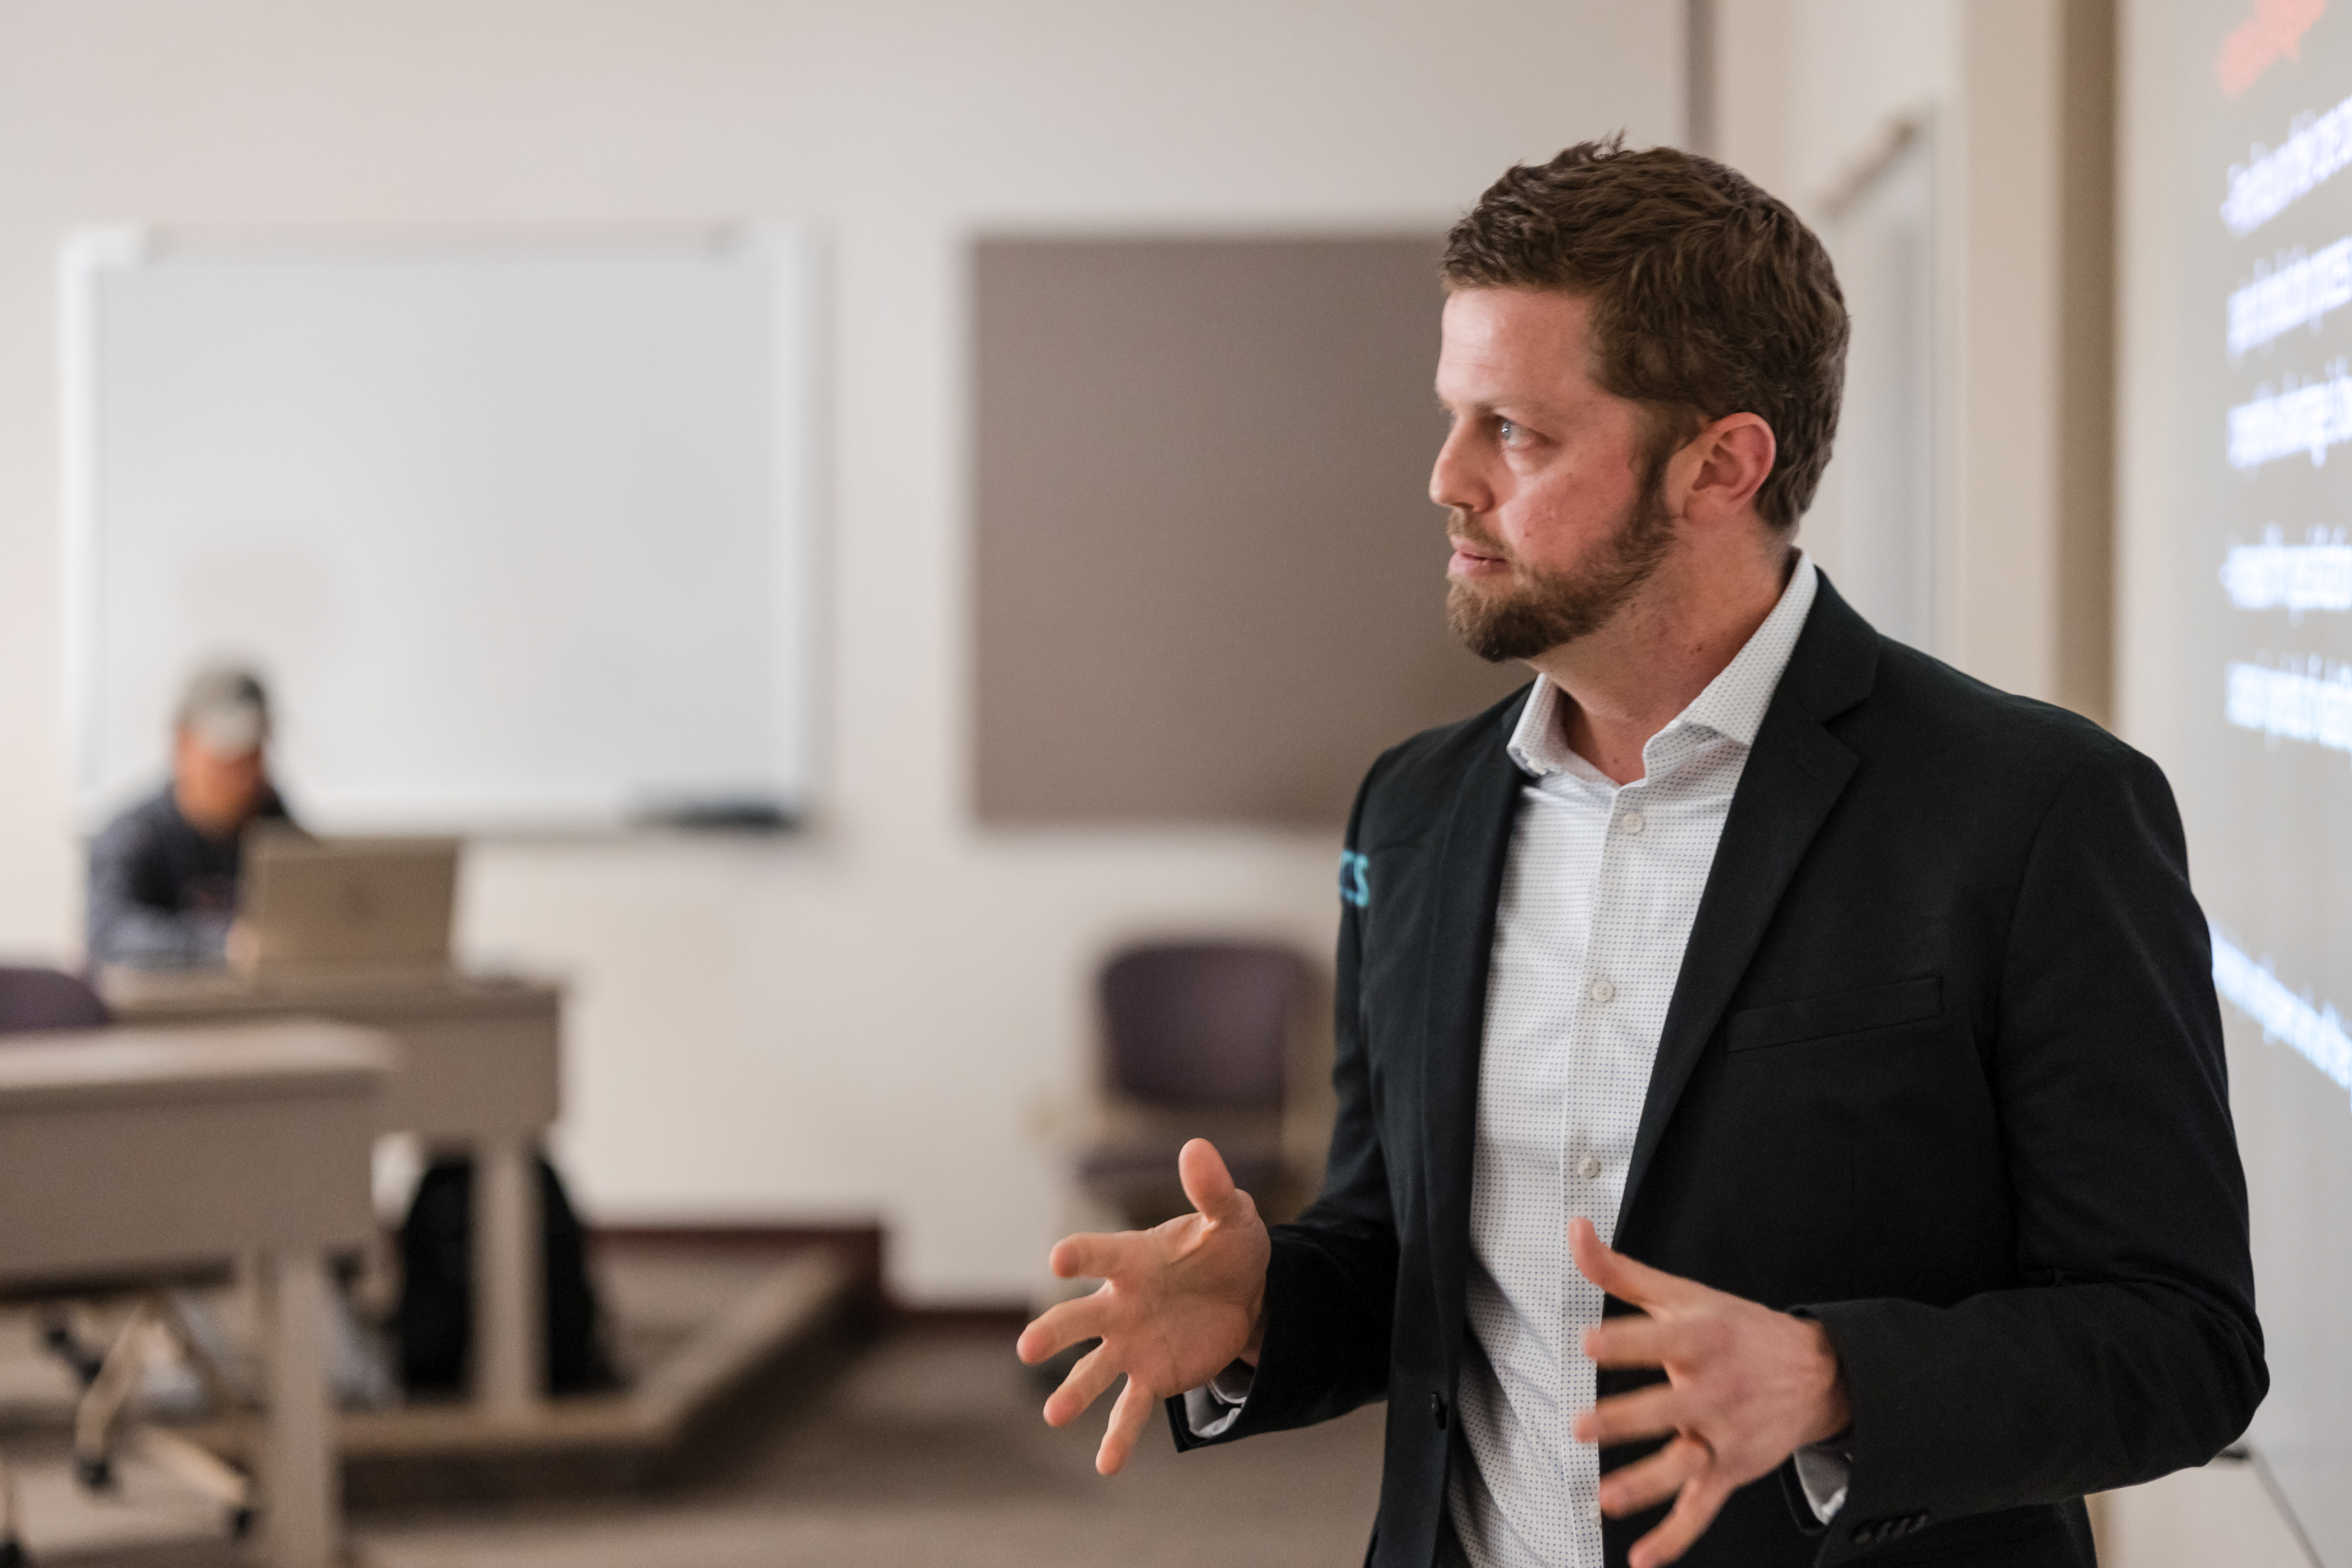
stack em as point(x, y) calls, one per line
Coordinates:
point(481, 1061)
point(131, 1155)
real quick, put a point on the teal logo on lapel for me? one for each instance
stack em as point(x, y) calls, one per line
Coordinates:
point(1355, 879)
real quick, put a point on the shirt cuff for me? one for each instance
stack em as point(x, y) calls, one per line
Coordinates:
point(1212, 1410)
point(1823, 1469)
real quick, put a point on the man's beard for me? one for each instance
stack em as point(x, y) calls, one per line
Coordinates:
point(1535, 612)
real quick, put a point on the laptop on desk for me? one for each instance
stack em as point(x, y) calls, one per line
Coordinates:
point(346, 906)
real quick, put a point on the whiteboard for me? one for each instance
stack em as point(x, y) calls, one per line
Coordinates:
point(518, 532)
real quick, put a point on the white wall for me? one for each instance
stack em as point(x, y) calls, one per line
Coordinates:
point(1814, 93)
point(1808, 88)
point(886, 1018)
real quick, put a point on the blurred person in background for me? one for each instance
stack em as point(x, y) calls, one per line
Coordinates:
point(163, 894)
point(163, 874)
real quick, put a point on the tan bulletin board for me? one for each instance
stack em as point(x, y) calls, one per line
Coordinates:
point(1211, 583)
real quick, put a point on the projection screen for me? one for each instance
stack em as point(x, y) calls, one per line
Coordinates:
point(2236, 535)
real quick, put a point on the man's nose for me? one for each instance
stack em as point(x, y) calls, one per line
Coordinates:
point(1453, 479)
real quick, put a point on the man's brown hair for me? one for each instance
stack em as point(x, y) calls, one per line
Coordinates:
point(1708, 296)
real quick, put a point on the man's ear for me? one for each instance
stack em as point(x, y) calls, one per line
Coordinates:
point(1731, 458)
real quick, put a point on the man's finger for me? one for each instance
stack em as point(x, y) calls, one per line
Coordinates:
point(1128, 1419)
point(1646, 1412)
point(1096, 1370)
point(1655, 1480)
point(1060, 1326)
point(1630, 1340)
point(1693, 1511)
point(1087, 1256)
point(1208, 1185)
point(1619, 1275)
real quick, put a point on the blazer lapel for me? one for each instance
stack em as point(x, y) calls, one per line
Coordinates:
point(1795, 773)
point(1470, 858)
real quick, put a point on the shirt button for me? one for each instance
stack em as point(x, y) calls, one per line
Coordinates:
point(1602, 992)
point(1589, 1167)
point(1630, 822)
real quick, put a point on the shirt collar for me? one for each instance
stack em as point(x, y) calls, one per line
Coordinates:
point(1732, 706)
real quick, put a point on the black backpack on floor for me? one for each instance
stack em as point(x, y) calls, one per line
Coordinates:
point(435, 1316)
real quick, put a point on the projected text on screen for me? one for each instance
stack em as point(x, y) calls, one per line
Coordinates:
point(2271, 575)
point(2312, 704)
point(2316, 1033)
point(2297, 420)
point(2260, 189)
point(2299, 293)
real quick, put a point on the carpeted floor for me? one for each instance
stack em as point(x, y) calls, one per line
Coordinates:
point(929, 1449)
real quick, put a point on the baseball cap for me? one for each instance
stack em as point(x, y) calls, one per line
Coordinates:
point(227, 708)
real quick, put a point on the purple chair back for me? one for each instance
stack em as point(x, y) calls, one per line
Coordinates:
point(1202, 1024)
point(33, 999)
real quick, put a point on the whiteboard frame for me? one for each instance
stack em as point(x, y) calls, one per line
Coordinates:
point(795, 256)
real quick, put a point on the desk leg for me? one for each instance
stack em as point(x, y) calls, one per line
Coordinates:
point(300, 1482)
point(508, 1322)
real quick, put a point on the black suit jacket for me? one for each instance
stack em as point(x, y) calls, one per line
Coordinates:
point(1943, 1067)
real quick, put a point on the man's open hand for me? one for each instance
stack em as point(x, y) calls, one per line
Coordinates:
point(1746, 1387)
point(1178, 1304)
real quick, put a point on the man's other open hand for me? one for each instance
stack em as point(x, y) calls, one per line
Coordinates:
point(1746, 1387)
point(1178, 1304)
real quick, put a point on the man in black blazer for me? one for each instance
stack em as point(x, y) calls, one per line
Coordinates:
point(1927, 1214)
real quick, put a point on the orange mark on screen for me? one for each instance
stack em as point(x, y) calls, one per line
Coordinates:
point(2274, 33)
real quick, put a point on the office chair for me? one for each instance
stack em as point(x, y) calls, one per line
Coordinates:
point(1197, 1039)
point(33, 999)
point(41, 1000)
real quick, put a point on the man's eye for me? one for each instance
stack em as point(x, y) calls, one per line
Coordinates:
point(1507, 432)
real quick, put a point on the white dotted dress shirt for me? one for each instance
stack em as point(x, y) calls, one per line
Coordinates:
point(1597, 898)
point(1599, 895)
